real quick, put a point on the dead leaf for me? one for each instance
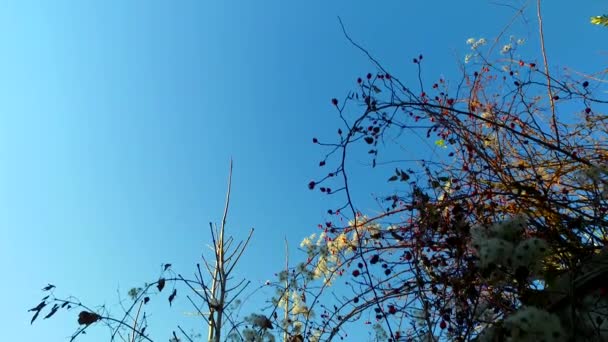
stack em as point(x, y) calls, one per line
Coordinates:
point(172, 296)
point(161, 284)
point(86, 318)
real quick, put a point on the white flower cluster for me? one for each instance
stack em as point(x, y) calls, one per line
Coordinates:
point(484, 313)
point(502, 245)
point(260, 321)
point(510, 229)
point(528, 253)
point(533, 324)
point(293, 302)
point(475, 43)
point(596, 175)
point(330, 251)
point(506, 48)
point(495, 252)
point(512, 45)
point(593, 174)
point(487, 335)
point(594, 314)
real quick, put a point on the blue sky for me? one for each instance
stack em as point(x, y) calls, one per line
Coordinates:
point(118, 119)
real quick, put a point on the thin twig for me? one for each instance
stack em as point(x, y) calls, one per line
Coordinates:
point(135, 321)
point(546, 63)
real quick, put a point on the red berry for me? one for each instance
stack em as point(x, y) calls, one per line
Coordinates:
point(369, 76)
point(311, 185)
point(585, 84)
point(334, 102)
point(322, 163)
point(443, 325)
point(315, 140)
point(388, 76)
point(359, 80)
point(587, 110)
point(392, 310)
point(408, 256)
point(356, 273)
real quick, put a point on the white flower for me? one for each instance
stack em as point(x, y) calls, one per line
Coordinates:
point(529, 254)
point(321, 239)
point(509, 229)
point(594, 313)
point(532, 324)
point(594, 173)
point(467, 58)
point(495, 252)
point(506, 48)
point(261, 321)
point(479, 233)
point(307, 242)
point(470, 41)
point(478, 43)
point(487, 335)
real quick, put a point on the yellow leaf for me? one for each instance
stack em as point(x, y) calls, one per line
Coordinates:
point(600, 20)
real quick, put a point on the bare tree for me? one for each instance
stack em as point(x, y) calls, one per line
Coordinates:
point(213, 291)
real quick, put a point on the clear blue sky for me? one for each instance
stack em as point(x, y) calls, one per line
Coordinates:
point(118, 119)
